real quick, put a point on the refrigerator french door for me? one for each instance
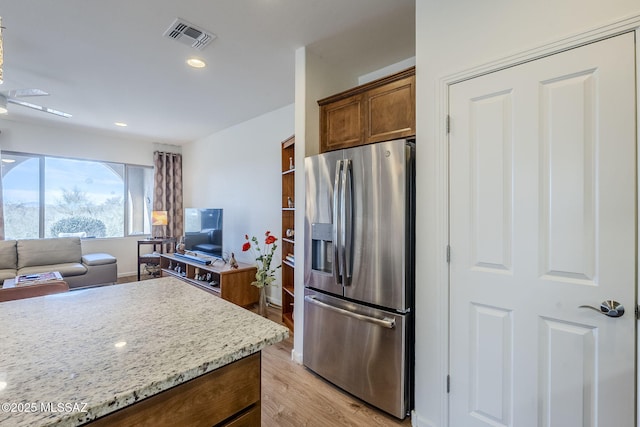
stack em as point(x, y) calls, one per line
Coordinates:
point(359, 245)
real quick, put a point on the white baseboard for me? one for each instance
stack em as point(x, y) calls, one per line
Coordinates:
point(296, 357)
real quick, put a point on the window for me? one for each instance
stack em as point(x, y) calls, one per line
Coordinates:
point(48, 196)
point(139, 199)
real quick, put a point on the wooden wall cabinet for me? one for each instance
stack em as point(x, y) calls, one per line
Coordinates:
point(381, 110)
point(288, 230)
point(342, 123)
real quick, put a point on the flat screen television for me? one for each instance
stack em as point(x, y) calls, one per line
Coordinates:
point(203, 231)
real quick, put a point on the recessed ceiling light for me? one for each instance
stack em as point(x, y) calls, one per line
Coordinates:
point(122, 125)
point(196, 63)
point(8, 160)
point(120, 344)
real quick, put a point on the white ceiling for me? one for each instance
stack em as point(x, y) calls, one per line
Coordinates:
point(107, 61)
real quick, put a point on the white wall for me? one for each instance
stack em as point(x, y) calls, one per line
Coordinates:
point(68, 142)
point(301, 108)
point(238, 170)
point(452, 37)
point(388, 70)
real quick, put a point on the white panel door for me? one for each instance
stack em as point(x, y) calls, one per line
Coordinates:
point(542, 205)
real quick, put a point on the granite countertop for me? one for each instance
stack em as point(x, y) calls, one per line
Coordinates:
point(63, 361)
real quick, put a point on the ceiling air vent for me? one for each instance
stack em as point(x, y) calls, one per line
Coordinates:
point(189, 34)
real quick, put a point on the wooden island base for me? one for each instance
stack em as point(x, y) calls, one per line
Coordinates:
point(228, 396)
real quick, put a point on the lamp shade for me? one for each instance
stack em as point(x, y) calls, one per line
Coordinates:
point(159, 218)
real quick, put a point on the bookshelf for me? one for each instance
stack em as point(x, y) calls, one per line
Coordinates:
point(288, 230)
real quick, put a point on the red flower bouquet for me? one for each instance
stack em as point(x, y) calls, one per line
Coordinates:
point(265, 274)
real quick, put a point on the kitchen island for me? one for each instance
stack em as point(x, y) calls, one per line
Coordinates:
point(159, 347)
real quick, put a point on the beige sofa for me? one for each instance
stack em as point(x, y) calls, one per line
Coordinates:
point(62, 254)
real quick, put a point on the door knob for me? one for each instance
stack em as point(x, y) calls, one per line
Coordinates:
point(609, 308)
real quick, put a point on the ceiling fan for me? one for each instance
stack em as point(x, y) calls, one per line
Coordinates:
point(13, 97)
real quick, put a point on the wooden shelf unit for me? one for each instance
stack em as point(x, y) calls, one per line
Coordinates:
point(231, 284)
point(288, 223)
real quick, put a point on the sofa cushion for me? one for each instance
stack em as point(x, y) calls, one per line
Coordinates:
point(7, 273)
point(45, 252)
point(66, 269)
point(8, 257)
point(98, 259)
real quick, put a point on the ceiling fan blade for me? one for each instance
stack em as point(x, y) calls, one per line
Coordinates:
point(20, 93)
point(39, 108)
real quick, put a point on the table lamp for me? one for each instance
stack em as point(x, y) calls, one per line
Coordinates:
point(158, 218)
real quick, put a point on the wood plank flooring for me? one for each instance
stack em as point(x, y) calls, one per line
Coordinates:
point(293, 396)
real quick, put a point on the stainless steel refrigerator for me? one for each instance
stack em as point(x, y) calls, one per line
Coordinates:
point(359, 271)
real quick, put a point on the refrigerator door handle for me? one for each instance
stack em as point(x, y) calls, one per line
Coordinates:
point(347, 221)
point(385, 323)
point(337, 248)
point(342, 252)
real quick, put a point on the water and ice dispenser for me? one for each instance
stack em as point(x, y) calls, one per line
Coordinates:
point(322, 247)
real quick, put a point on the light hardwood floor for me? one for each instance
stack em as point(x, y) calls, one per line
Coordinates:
point(293, 396)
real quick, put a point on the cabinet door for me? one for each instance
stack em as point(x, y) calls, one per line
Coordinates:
point(342, 124)
point(390, 111)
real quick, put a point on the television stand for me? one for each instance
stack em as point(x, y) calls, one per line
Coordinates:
point(231, 284)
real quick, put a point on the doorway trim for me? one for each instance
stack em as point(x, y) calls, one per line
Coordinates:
point(441, 173)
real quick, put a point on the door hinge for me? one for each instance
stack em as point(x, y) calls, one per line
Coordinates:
point(448, 124)
point(637, 313)
point(448, 384)
point(448, 254)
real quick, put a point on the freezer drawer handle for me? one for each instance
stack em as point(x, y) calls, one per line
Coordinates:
point(385, 323)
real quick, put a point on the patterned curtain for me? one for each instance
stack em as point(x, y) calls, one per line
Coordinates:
point(167, 191)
